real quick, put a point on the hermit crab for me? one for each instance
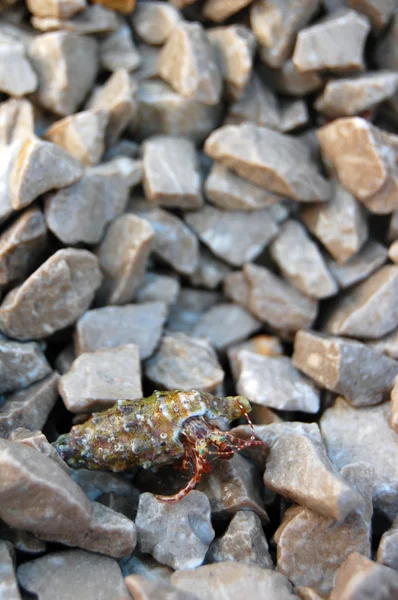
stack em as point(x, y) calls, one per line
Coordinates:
point(165, 428)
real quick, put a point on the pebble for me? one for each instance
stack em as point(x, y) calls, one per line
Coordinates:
point(184, 363)
point(16, 120)
point(73, 574)
point(340, 425)
point(265, 345)
point(8, 585)
point(142, 588)
point(123, 257)
point(210, 271)
point(56, 8)
point(22, 541)
point(347, 367)
point(20, 365)
point(359, 577)
point(219, 10)
point(243, 542)
point(114, 326)
point(31, 406)
point(225, 324)
point(197, 75)
point(191, 305)
point(170, 170)
point(334, 44)
point(154, 21)
point(17, 77)
point(145, 565)
point(94, 19)
point(287, 79)
point(66, 65)
point(30, 312)
point(162, 527)
point(311, 548)
point(362, 264)
point(378, 12)
point(258, 104)
point(294, 114)
point(386, 345)
point(255, 152)
point(38, 441)
point(387, 552)
point(118, 51)
point(157, 287)
point(386, 48)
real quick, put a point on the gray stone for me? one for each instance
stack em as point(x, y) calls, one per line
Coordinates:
point(294, 114)
point(189, 308)
point(258, 104)
point(265, 345)
point(225, 324)
point(210, 271)
point(97, 483)
point(16, 120)
point(23, 541)
point(379, 12)
point(94, 19)
point(8, 584)
point(65, 358)
point(17, 77)
point(117, 50)
point(38, 441)
point(20, 365)
point(289, 80)
point(359, 577)
point(142, 588)
point(157, 287)
point(387, 552)
point(145, 565)
point(386, 49)
point(362, 264)
point(154, 21)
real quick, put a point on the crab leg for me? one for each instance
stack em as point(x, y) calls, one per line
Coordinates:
point(198, 470)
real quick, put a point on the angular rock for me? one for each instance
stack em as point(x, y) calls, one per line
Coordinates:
point(387, 552)
point(66, 65)
point(98, 379)
point(20, 365)
point(359, 577)
point(289, 80)
point(156, 287)
point(117, 95)
point(23, 541)
point(347, 367)
point(56, 8)
point(143, 588)
point(225, 580)
point(378, 11)
point(16, 120)
point(210, 271)
point(219, 10)
point(123, 147)
point(114, 326)
point(154, 21)
point(255, 153)
point(38, 441)
point(81, 134)
point(294, 114)
point(368, 310)
point(265, 345)
point(117, 51)
point(189, 308)
point(225, 324)
point(340, 425)
point(387, 345)
point(243, 542)
point(21, 246)
point(257, 104)
point(171, 176)
point(123, 256)
point(161, 528)
point(73, 574)
point(148, 70)
point(94, 19)
point(8, 585)
point(305, 268)
point(311, 548)
point(184, 363)
point(386, 49)
point(30, 312)
point(81, 212)
point(345, 31)
point(17, 77)
point(97, 483)
point(197, 75)
point(362, 264)
point(221, 231)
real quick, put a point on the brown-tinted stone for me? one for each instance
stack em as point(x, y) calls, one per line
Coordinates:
point(222, 230)
point(142, 588)
point(379, 12)
point(340, 425)
point(30, 312)
point(362, 375)
point(117, 95)
point(66, 65)
point(8, 584)
point(20, 365)
point(8, 158)
point(257, 104)
point(177, 534)
point(154, 21)
point(225, 580)
point(189, 308)
point(197, 74)
point(362, 264)
point(311, 547)
point(113, 326)
point(185, 363)
point(387, 552)
point(289, 80)
point(210, 271)
point(94, 19)
point(220, 10)
point(345, 32)
point(157, 287)
point(38, 441)
point(55, 8)
point(16, 74)
point(21, 245)
point(73, 574)
point(16, 120)
point(170, 169)
point(255, 154)
point(117, 51)
point(368, 310)
point(393, 252)
point(359, 577)
point(225, 324)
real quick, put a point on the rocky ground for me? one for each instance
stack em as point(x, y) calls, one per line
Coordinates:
point(201, 195)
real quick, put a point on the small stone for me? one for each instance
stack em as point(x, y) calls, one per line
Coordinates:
point(234, 485)
point(80, 212)
point(289, 80)
point(94, 19)
point(306, 268)
point(197, 75)
point(97, 483)
point(346, 97)
point(257, 104)
point(359, 577)
point(27, 475)
point(98, 379)
point(156, 287)
point(340, 225)
point(171, 176)
point(265, 345)
point(340, 425)
point(222, 230)
point(20, 365)
point(387, 49)
point(8, 585)
point(274, 382)
point(29, 407)
point(123, 256)
point(117, 95)
point(174, 242)
point(114, 326)
point(184, 363)
point(60, 9)
point(81, 134)
point(294, 114)
point(148, 69)
point(379, 12)
point(21, 246)
point(243, 542)
point(73, 574)
point(311, 547)
point(66, 65)
point(17, 77)
point(362, 264)
point(189, 308)
point(23, 541)
point(387, 552)
point(368, 310)
point(142, 588)
point(387, 345)
point(154, 21)
point(225, 324)
point(36, 439)
point(117, 51)
point(255, 153)
point(347, 367)
point(210, 271)
point(64, 360)
point(123, 147)
point(16, 120)
point(345, 31)
point(219, 10)
point(145, 565)
point(225, 580)
point(276, 24)
point(177, 535)
point(236, 46)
